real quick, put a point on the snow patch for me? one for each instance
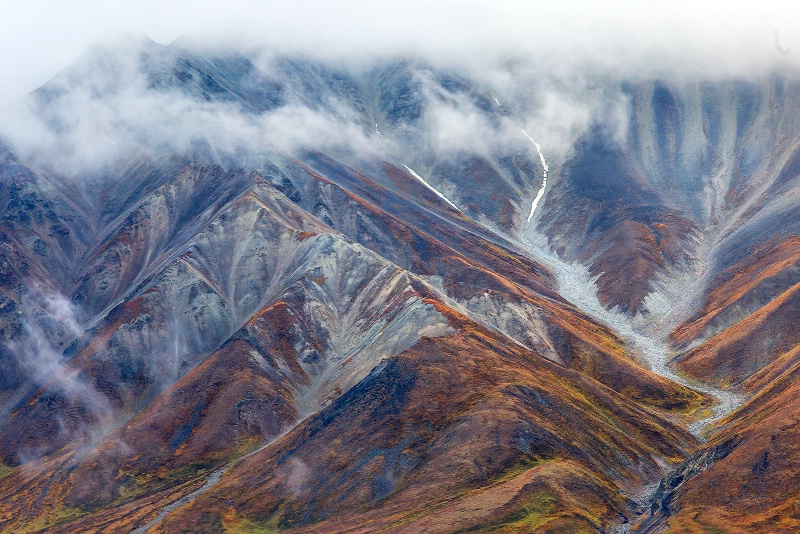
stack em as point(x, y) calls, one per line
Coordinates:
point(540, 194)
point(429, 186)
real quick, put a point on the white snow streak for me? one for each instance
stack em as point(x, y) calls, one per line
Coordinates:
point(540, 194)
point(429, 186)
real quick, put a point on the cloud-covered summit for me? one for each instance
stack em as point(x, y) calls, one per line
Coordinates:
point(729, 38)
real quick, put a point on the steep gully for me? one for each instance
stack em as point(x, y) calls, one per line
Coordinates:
point(576, 285)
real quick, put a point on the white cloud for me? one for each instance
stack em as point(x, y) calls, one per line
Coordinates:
point(104, 111)
point(545, 63)
point(41, 358)
point(39, 37)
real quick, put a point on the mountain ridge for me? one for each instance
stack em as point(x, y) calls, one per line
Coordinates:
point(247, 262)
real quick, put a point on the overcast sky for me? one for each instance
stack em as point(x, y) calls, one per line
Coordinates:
point(39, 37)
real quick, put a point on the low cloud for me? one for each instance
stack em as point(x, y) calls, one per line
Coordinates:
point(50, 325)
point(546, 62)
point(295, 475)
point(106, 110)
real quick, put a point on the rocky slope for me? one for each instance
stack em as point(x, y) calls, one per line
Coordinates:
point(284, 294)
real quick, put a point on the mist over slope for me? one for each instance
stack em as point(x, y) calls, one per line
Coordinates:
point(366, 294)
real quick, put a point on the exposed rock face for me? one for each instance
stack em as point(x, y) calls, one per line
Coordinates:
point(354, 330)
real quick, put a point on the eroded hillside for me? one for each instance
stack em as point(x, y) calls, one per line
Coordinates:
point(284, 294)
